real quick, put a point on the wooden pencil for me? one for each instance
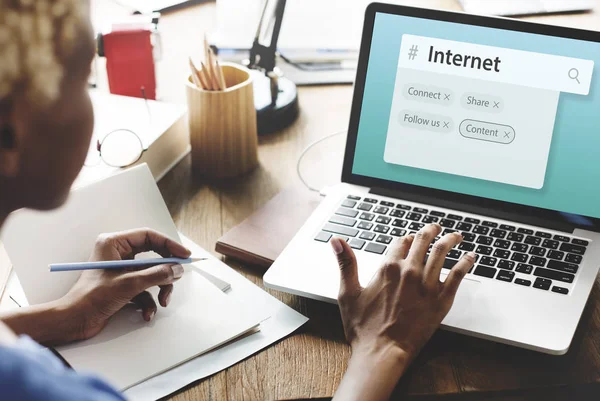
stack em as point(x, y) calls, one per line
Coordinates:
point(195, 76)
point(207, 76)
point(220, 75)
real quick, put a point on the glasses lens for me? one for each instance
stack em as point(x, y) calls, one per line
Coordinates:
point(121, 148)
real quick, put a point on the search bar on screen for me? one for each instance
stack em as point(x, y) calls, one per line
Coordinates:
point(498, 64)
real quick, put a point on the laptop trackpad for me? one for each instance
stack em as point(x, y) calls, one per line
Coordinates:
point(460, 313)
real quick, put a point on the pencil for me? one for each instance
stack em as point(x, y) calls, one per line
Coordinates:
point(120, 264)
point(207, 77)
point(220, 75)
point(195, 75)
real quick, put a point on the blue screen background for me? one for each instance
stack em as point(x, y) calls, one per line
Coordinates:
point(572, 182)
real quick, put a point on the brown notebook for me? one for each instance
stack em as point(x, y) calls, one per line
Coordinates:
point(260, 238)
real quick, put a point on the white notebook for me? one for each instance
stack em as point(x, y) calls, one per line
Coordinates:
point(129, 350)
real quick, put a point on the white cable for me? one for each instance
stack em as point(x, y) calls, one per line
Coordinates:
point(305, 151)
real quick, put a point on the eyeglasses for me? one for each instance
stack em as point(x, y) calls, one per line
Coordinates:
point(119, 148)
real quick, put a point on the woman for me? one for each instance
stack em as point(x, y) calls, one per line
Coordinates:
point(46, 124)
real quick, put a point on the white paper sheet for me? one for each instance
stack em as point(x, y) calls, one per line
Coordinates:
point(34, 239)
point(284, 321)
point(129, 350)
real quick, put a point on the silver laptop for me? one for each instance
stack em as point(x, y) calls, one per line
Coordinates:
point(489, 127)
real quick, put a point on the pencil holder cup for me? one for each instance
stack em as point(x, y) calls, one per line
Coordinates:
point(223, 131)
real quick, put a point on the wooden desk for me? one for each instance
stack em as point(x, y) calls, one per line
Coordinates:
point(311, 363)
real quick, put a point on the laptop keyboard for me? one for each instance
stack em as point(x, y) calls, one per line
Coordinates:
point(505, 252)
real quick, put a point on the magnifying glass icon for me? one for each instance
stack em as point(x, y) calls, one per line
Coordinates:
point(574, 74)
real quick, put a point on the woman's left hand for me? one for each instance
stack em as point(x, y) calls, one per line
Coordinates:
point(99, 294)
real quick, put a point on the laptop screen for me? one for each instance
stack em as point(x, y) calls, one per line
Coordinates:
point(499, 114)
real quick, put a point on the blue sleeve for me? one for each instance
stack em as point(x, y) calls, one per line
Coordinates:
point(29, 372)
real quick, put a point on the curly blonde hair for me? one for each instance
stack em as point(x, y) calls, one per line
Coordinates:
point(36, 38)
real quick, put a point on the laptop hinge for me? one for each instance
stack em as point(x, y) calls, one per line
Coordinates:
point(477, 209)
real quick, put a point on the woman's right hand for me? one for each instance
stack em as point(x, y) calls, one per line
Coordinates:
point(388, 322)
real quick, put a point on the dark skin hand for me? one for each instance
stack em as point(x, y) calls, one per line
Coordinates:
point(99, 294)
point(388, 322)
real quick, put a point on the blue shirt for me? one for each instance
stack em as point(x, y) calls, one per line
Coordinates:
point(29, 372)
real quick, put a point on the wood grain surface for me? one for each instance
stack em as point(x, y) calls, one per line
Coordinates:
point(311, 363)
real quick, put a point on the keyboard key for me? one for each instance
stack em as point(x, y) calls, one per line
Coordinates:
point(398, 232)
point(353, 197)
point(542, 284)
point(375, 248)
point(386, 203)
point(537, 261)
point(570, 248)
point(449, 263)
point(525, 231)
point(399, 223)
point(537, 251)
point(505, 275)
point(381, 210)
point(507, 227)
point(557, 255)
point(501, 253)
point(448, 231)
point(323, 236)
point(489, 224)
point(481, 230)
point(548, 243)
point(488, 261)
point(543, 234)
point(580, 242)
point(365, 206)
point(500, 243)
point(367, 216)
point(524, 268)
point(447, 223)
point(403, 207)
point(345, 221)
point(468, 237)
point(356, 243)
point(371, 200)
point(498, 233)
point(349, 203)
point(563, 266)
point(573, 258)
point(466, 246)
point(454, 217)
point(430, 219)
point(454, 254)
point(397, 213)
point(342, 237)
point(367, 235)
point(414, 216)
point(520, 281)
point(347, 231)
point(384, 239)
point(533, 240)
point(519, 248)
point(472, 220)
point(561, 238)
point(560, 290)
point(346, 212)
point(519, 257)
point(365, 225)
point(416, 226)
point(483, 240)
point(554, 275)
point(483, 250)
point(383, 220)
point(462, 226)
point(437, 214)
point(485, 271)
point(420, 210)
point(380, 228)
point(515, 237)
point(506, 264)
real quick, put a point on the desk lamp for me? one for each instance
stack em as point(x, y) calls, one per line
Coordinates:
point(275, 97)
